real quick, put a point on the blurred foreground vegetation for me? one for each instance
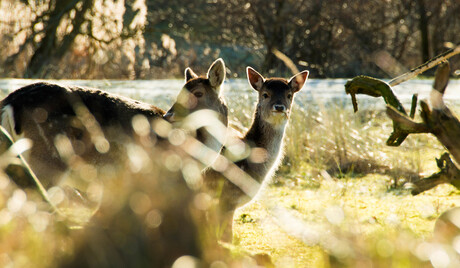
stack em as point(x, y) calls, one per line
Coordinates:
point(335, 201)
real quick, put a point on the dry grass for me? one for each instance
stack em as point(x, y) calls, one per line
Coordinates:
point(337, 181)
point(337, 162)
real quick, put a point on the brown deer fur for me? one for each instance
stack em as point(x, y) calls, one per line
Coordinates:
point(98, 124)
point(265, 138)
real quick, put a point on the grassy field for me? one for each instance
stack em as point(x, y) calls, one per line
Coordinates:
point(339, 178)
point(336, 200)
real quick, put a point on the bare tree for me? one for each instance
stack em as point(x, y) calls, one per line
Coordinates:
point(54, 27)
point(87, 38)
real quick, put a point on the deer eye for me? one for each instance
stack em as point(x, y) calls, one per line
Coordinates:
point(198, 94)
point(289, 96)
point(265, 96)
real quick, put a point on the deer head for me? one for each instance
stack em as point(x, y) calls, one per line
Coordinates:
point(275, 95)
point(199, 103)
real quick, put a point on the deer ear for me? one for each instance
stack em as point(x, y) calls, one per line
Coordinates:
point(189, 74)
point(255, 79)
point(216, 73)
point(297, 81)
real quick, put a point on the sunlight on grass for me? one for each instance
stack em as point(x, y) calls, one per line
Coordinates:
point(335, 159)
point(371, 214)
point(338, 175)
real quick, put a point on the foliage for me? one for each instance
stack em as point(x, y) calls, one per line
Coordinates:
point(159, 38)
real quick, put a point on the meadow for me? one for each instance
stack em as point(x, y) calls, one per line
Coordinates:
point(337, 199)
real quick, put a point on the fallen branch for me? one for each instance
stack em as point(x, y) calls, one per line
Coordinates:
point(378, 88)
point(448, 173)
point(439, 121)
point(444, 125)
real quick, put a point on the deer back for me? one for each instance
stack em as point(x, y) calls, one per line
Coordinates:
point(69, 123)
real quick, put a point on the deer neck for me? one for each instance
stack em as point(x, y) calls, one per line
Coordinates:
point(269, 137)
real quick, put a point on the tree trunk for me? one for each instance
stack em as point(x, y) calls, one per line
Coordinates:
point(50, 49)
point(424, 34)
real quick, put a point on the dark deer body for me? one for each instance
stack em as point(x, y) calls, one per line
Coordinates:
point(88, 118)
point(265, 139)
point(74, 124)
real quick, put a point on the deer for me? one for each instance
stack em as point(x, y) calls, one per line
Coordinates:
point(68, 124)
point(265, 139)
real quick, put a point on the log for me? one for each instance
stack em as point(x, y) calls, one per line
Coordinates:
point(438, 120)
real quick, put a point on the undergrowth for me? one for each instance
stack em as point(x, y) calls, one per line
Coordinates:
point(339, 182)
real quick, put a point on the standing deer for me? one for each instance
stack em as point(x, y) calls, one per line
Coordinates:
point(69, 124)
point(264, 137)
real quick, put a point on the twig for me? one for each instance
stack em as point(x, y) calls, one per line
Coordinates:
point(427, 65)
point(34, 178)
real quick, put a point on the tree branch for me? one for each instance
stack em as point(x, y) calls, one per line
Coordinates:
point(439, 121)
point(377, 88)
point(406, 124)
point(448, 173)
point(426, 66)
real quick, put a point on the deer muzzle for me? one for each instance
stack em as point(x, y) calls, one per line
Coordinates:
point(279, 108)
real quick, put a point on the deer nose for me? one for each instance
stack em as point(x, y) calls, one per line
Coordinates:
point(279, 108)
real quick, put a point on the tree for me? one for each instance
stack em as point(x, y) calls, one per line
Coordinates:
point(56, 26)
point(48, 44)
point(158, 38)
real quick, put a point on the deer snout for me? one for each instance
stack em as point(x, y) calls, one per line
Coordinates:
point(279, 108)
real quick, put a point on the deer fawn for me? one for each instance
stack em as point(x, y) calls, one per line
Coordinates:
point(264, 137)
point(71, 124)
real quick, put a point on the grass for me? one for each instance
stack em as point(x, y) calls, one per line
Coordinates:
point(339, 182)
point(337, 162)
point(369, 211)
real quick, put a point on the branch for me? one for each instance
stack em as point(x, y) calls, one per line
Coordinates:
point(442, 122)
point(406, 124)
point(448, 173)
point(374, 88)
point(442, 77)
point(426, 66)
point(377, 88)
point(287, 61)
point(439, 121)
